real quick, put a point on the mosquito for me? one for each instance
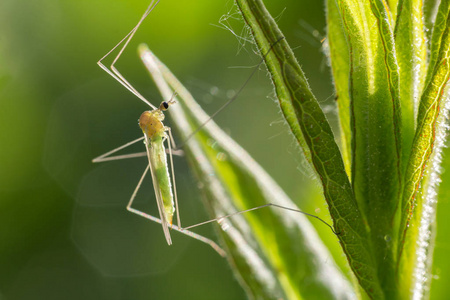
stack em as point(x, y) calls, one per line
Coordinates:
point(155, 135)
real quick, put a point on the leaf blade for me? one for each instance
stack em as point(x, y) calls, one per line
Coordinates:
point(376, 124)
point(339, 61)
point(313, 133)
point(431, 107)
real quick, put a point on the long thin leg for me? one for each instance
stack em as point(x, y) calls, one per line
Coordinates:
point(172, 141)
point(174, 145)
point(130, 35)
point(177, 209)
point(125, 41)
point(258, 207)
point(183, 231)
point(130, 202)
point(104, 157)
point(163, 222)
point(178, 152)
point(174, 227)
point(120, 157)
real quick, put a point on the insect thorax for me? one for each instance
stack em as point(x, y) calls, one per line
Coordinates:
point(151, 123)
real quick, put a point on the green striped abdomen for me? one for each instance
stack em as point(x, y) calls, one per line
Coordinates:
point(158, 160)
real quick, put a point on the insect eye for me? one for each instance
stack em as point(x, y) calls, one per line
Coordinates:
point(164, 105)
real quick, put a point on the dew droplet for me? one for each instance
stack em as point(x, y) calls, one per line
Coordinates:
point(214, 90)
point(230, 94)
point(221, 156)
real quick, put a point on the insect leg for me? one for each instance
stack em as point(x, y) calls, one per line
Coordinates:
point(174, 227)
point(169, 147)
point(107, 157)
point(125, 41)
point(262, 206)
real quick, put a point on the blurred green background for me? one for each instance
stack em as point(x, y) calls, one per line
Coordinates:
point(64, 229)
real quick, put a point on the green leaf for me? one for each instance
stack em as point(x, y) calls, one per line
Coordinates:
point(392, 6)
point(430, 8)
point(440, 289)
point(275, 253)
point(412, 58)
point(431, 110)
point(423, 222)
point(440, 24)
point(340, 66)
point(376, 126)
point(312, 131)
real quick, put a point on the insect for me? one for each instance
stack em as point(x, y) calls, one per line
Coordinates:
point(155, 136)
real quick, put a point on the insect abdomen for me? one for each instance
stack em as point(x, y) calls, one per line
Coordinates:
point(159, 164)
